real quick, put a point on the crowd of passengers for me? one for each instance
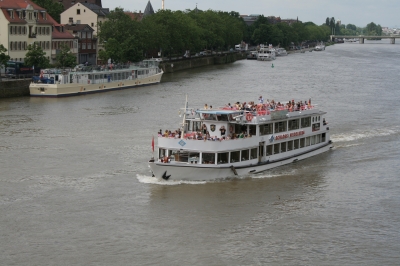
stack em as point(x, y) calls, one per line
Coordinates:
point(268, 105)
point(204, 134)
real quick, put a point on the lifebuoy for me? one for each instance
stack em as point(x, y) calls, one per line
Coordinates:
point(249, 117)
point(88, 82)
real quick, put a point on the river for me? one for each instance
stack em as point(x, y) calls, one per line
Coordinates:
point(75, 188)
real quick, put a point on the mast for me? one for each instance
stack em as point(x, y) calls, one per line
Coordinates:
point(184, 117)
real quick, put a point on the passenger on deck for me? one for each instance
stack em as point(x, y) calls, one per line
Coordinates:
point(223, 131)
point(204, 129)
point(261, 99)
point(205, 106)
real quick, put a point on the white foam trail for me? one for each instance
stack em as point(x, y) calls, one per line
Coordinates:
point(154, 180)
point(364, 135)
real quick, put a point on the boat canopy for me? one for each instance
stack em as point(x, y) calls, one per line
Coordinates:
point(218, 112)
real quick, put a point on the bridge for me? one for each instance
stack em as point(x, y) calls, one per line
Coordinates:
point(361, 38)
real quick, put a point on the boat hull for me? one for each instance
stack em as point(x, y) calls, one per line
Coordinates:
point(74, 89)
point(190, 172)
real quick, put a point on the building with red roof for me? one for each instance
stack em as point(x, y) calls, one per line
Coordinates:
point(22, 23)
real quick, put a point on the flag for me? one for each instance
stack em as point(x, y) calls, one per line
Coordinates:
point(152, 143)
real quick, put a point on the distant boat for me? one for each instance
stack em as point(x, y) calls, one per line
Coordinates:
point(320, 47)
point(252, 55)
point(266, 53)
point(281, 52)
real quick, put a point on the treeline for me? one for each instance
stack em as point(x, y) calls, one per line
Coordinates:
point(173, 32)
point(350, 29)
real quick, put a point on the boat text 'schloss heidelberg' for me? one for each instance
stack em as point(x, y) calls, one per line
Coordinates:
point(240, 140)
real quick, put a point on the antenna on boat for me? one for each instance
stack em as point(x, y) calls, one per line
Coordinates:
point(184, 117)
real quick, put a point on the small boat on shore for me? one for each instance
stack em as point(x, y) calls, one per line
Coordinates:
point(320, 47)
point(252, 55)
point(281, 52)
point(61, 83)
point(239, 141)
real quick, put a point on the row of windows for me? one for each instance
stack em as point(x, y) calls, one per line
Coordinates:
point(22, 14)
point(245, 154)
point(87, 46)
point(22, 30)
point(19, 46)
point(284, 126)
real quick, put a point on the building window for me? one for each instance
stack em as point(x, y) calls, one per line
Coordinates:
point(89, 46)
point(78, 11)
point(89, 35)
point(92, 24)
point(83, 46)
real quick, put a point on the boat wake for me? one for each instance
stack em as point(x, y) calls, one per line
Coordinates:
point(145, 179)
point(355, 136)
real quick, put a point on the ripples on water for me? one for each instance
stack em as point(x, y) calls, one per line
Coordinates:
point(75, 187)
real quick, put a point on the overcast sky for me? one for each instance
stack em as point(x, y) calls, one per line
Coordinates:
point(357, 12)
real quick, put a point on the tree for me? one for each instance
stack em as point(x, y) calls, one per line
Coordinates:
point(53, 8)
point(327, 22)
point(36, 57)
point(65, 58)
point(3, 57)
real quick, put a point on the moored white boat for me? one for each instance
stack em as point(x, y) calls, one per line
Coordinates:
point(266, 53)
point(231, 142)
point(281, 52)
point(61, 83)
point(320, 47)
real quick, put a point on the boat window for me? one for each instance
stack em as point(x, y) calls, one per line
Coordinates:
point(319, 118)
point(235, 156)
point(239, 128)
point(283, 147)
point(323, 137)
point(194, 157)
point(305, 122)
point(302, 143)
point(208, 158)
point(245, 155)
point(313, 119)
point(317, 138)
point(266, 129)
point(195, 125)
point(280, 126)
point(222, 117)
point(312, 140)
point(276, 148)
point(315, 127)
point(90, 76)
point(252, 130)
point(269, 150)
point(294, 124)
point(296, 144)
point(223, 157)
point(290, 145)
point(162, 153)
point(253, 153)
point(307, 141)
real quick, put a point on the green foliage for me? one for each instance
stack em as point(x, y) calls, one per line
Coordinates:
point(53, 8)
point(122, 37)
point(3, 57)
point(36, 57)
point(65, 58)
point(373, 29)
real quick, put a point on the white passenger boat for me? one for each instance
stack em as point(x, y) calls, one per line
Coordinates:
point(60, 83)
point(266, 53)
point(230, 142)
